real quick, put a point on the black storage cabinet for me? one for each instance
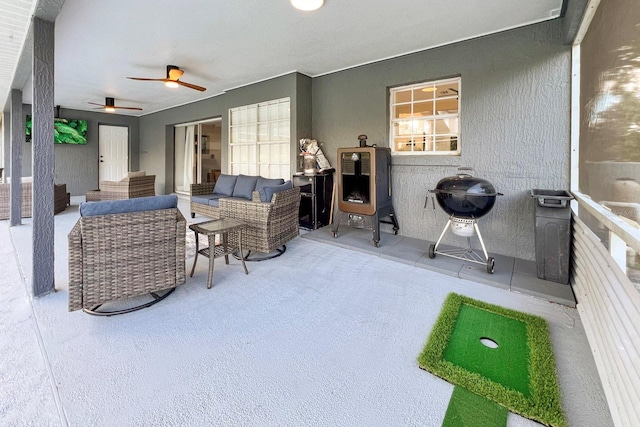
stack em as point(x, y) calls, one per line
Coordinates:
point(315, 199)
point(553, 234)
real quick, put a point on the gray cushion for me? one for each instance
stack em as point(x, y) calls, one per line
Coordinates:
point(204, 199)
point(245, 185)
point(270, 191)
point(129, 205)
point(225, 184)
point(267, 182)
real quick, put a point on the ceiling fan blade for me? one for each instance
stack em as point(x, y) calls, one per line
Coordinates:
point(127, 108)
point(93, 103)
point(191, 86)
point(148, 80)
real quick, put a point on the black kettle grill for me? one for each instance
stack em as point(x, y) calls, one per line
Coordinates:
point(465, 198)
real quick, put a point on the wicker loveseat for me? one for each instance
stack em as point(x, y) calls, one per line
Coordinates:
point(269, 208)
point(135, 184)
point(125, 248)
point(61, 198)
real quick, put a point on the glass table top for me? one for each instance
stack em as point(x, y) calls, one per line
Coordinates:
point(217, 226)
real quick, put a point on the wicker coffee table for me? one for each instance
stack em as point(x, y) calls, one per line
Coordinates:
point(226, 247)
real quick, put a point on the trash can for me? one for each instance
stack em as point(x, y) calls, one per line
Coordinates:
point(553, 234)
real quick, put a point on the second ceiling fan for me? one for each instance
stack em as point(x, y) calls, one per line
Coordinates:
point(173, 79)
point(109, 106)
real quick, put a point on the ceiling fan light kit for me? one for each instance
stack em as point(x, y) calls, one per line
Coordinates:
point(307, 5)
point(110, 106)
point(172, 80)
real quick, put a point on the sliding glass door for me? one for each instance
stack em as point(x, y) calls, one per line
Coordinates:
point(196, 153)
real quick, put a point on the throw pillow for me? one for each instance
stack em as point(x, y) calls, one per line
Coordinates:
point(244, 186)
point(266, 182)
point(270, 191)
point(225, 184)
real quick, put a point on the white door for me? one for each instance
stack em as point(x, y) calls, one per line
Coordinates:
point(114, 152)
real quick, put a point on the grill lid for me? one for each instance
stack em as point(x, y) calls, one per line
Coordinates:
point(465, 196)
point(466, 184)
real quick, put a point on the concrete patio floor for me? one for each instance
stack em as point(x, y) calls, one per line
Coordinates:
point(323, 335)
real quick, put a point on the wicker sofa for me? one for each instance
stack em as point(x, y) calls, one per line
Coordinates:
point(135, 184)
point(269, 208)
point(61, 199)
point(125, 248)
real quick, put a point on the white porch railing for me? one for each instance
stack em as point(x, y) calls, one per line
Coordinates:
point(609, 306)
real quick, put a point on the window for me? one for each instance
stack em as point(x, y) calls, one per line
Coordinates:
point(425, 118)
point(260, 139)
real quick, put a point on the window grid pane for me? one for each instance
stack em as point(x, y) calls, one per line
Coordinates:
point(259, 138)
point(425, 118)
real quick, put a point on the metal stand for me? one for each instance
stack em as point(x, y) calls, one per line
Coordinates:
point(156, 299)
point(241, 255)
point(371, 222)
point(466, 254)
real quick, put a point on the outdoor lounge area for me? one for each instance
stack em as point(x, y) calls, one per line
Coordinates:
point(294, 342)
point(435, 152)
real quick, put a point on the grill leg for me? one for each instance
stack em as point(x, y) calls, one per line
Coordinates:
point(336, 224)
point(442, 234)
point(484, 250)
point(375, 226)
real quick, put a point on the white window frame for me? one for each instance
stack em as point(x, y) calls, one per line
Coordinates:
point(419, 146)
point(260, 139)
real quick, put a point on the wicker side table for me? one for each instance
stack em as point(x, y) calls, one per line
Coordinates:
point(226, 247)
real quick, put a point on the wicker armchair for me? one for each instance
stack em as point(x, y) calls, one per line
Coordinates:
point(269, 224)
point(128, 188)
point(121, 255)
point(61, 199)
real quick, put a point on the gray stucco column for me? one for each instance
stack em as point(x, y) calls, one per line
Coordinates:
point(6, 143)
point(17, 139)
point(43, 156)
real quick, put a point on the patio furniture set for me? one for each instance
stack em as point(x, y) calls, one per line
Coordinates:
point(124, 249)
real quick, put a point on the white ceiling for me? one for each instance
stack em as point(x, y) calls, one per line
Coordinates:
point(222, 44)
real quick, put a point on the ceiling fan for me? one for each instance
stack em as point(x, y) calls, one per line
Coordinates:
point(109, 106)
point(173, 79)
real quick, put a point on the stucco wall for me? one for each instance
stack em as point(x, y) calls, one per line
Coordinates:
point(514, 127)
point(77, 165)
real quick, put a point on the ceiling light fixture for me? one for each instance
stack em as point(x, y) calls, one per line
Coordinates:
point(429, 89)
point(171, 84)
point(109, 105)
point(307, 5)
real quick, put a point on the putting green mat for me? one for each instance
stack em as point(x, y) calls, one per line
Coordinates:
point(507, 364)
point(467, 409)
point(497, 353)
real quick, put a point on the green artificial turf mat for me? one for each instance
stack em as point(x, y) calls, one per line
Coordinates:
point(519, 374)
point(507, 364)
point(467, 409)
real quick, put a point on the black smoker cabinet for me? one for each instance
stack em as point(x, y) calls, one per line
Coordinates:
point(364, 189)
point(315, 199)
